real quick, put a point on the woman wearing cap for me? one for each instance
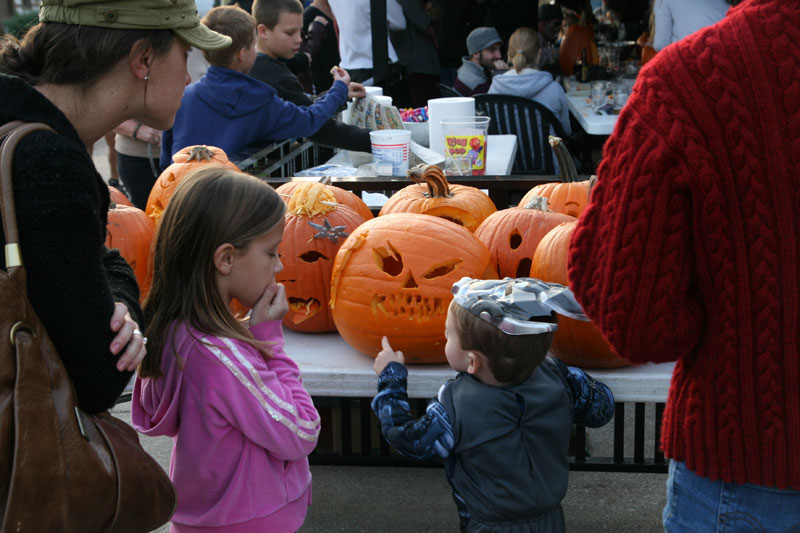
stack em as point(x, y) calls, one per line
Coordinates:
point(83, 70)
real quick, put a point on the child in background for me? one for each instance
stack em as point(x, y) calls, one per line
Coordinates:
point(279, 25)
point(242, 424)
point(230, 110)
point(502, 426)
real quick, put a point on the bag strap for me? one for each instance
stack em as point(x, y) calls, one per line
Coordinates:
point(12, 133)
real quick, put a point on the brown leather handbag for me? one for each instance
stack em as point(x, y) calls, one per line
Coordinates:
point(61, 470)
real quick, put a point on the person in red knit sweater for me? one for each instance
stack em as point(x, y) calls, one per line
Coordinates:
point(690, 252)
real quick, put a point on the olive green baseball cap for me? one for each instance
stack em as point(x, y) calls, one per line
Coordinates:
point(180, 16)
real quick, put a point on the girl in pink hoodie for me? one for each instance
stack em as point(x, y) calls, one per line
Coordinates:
point(241, 422)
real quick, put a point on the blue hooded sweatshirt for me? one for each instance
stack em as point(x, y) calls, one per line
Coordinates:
point(230, 110)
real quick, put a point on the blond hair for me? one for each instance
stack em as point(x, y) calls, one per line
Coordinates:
point(523, 49)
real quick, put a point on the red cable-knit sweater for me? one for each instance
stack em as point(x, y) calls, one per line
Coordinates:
point(690, 248)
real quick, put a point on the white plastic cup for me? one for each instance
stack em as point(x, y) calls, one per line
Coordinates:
point(390, 151)
point(466, 136)
point(599, 97)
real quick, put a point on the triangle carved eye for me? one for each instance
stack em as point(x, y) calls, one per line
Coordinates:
point(312, 257)
point(442, 269)
point(389, 261)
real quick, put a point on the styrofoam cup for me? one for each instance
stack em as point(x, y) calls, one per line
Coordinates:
point(390, 151)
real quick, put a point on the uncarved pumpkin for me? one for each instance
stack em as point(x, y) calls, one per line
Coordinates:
point(462, 204)
point(130, 231)
point(512, 235)
point(118, 197)
point(184, 161)
point(568, 196)
point(576, 342)
point(343, 196)
point(307, 252)
point(578, 37)
point(393, 276)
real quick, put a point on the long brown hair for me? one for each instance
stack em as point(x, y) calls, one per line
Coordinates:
point(523, 48)
point(210, 207)
point(72, 54)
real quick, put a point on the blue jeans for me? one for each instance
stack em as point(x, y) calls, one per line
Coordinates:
point(696, 503)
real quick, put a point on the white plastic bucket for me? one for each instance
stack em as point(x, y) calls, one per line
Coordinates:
point(390, 151)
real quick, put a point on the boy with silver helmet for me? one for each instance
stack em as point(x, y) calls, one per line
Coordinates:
point(502, 425)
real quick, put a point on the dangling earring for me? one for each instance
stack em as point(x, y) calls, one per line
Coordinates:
point(146, 79)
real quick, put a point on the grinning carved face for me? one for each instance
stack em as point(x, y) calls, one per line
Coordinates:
point(393, 277)
point(309, 245)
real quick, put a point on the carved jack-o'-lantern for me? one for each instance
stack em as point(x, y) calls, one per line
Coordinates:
point(462, 204)
point(393, 276)
point(315, 228)
point(576, 342)
point(513, 234)
point(343, 196)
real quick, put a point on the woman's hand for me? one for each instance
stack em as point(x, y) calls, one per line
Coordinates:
point(128, 333)
point(386, 356)
point(136, 130)
point(148, 135)
point(271, 306)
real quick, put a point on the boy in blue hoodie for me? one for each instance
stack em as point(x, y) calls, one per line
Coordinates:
point(230, 110)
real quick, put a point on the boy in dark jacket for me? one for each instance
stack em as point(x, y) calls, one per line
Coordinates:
point(230, 110)
point(280, 23)
point(502, 425)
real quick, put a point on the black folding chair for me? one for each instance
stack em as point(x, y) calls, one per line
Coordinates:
point(532, 123)
point(446, 90)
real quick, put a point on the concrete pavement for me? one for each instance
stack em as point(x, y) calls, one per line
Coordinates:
point(397, 500)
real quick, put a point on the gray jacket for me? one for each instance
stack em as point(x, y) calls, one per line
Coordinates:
point(535, 85)
point(510, 459)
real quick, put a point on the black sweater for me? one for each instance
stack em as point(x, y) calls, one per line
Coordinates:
point(73, 280)
point(334, 132)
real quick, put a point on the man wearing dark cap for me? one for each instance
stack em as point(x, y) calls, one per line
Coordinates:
point(475, 74)
point(550, 16)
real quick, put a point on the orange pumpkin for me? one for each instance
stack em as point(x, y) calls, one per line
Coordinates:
point(393, 276)
point(568, 196)
point(648, 53)
point(345, 197)
point(579, 36)
point(118, 197)
point(315, 228)
point(513, 234)
point(462, 204)
point(184, 161)
point(576, 342)
point(130, 231)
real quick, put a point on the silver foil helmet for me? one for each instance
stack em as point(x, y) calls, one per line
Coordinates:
point(510, 304)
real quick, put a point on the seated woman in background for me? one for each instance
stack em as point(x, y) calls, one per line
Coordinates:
point(523, 79)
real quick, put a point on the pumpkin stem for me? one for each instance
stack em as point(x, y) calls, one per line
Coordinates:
point(568, 172)
point(200, 153)
point(592, 183)
point(437, 183)
point(311, 199)
point(537, 202)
